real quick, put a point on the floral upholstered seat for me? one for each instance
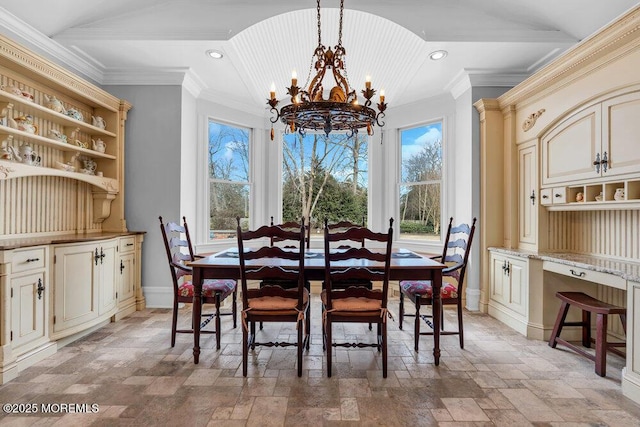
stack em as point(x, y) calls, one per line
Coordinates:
point(209, 288)
point(424, 289)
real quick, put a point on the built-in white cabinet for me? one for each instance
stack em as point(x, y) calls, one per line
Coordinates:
point(597, 143)
point(29, 296)
point(84, 285)
point(528, 193)
point(570, 148)
point(126, 276)
point(509, 290)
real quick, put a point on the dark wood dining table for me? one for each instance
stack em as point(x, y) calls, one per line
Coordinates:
point(405, 265)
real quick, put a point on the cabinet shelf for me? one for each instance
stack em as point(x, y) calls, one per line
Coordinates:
point(15, 170)
point(41, 140)
point(30, 107)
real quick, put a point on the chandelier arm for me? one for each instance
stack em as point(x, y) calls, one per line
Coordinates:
point(275, 118)
point(380, 116)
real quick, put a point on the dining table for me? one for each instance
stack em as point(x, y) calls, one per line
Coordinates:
point(405, 265)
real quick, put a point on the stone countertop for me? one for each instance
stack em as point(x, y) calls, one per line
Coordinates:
point(25, 242)
point(626, 269)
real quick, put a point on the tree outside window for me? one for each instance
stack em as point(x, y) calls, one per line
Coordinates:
point(421, 182)
point(324, 177)
point(229, 189)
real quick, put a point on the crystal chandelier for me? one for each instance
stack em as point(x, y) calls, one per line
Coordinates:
point(308, 110)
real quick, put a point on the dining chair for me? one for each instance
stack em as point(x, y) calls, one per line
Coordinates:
point(356, 304)
point(272, 303)
point(346, 244)
point(455, 254)
point(286, 243)
point(177, 243)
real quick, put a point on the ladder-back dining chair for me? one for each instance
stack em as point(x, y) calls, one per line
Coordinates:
point(272, 303)
point(177, 243)
point(356, 304)
point(455, 255)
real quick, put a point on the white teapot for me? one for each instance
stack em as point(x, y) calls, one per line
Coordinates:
point(25, 123)
point(54, 104)
point(98, 122)
point(99, 145)
point(29, 156)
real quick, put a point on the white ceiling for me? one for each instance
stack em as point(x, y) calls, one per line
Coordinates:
point(497, 42)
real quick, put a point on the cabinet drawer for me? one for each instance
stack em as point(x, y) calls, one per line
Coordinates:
point(585, 274)
point(28, 259)
point(127, 244)
point(545, 197)
point(559, 195)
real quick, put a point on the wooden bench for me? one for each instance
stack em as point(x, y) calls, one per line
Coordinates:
point(589, 305)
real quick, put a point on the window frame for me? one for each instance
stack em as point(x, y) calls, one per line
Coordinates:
point(317, 240)
point(444, 180)
point(204, 210)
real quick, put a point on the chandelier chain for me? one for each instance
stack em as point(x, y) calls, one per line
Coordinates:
point(340, 26)
point(319, 27)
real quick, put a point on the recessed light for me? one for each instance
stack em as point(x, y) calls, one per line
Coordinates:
point(215, 54)
point(438, 54)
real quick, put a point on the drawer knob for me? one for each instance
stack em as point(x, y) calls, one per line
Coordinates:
point(575, 273)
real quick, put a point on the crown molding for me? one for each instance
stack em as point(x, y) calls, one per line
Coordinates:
point(610, 43)
point(16, 28)
point(468, 78)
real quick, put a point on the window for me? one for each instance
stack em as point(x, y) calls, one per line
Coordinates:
point(421, 182)
point(228, 166)
point(324, 177)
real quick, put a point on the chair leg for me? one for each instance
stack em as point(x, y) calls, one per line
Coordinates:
point(174, 322)
point(557, 328)
point(601, 344)
point(460, 327)
point(623, 319)
point(245, 350)
point(300, 347)
point(383, 325)
point(234, 308)
point(416, 331)
point(400, 308)
point(586, 328)
point(328, 344)
point(217, 321)
point(253, 334)
point(379, 335)
point(307, 325)
point(441, 315)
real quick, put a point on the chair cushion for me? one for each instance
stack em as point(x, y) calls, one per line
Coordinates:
point(277, 305)
point(358, 304)
point(423, 288)
point(209, 288)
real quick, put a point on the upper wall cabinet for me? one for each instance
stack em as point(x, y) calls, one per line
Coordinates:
point(596, 143)
point(621, 134)
point(569, 149)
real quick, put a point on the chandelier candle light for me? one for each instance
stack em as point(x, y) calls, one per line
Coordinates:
point(308, 109)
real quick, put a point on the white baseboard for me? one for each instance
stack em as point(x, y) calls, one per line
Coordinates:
point(158, 296)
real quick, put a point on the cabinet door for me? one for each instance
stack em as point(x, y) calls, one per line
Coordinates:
point(569, 150)
point(106, 277)
point(499, 283)
point(27, 309)
point(509, 285)
point(75, 289)
point(621, 134)
point(126, 278)
point(528, 195)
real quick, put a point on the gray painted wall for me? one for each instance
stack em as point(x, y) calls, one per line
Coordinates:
point(152, 172)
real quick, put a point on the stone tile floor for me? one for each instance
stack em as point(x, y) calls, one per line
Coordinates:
point(135, 378)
